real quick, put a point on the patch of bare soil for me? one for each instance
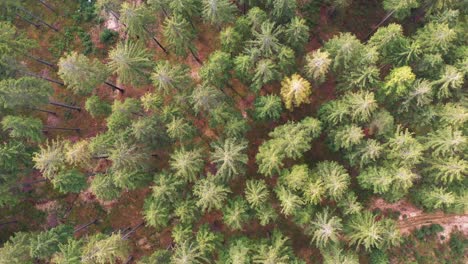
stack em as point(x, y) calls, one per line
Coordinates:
point(412, 218)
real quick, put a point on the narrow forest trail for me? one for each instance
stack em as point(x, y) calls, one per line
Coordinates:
point(412, 217)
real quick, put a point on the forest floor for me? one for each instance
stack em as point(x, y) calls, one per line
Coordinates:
point(412, 218)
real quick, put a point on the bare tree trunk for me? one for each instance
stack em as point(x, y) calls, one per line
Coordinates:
point(28, 21)
point(388, 16)
point(195, 56)
point(232, 88)
point(133, 230)
point(86, 225)
point(114, 87)
point(45, 111)
point(41, 61)
point(40, 20)
point(66, 106)
point(101, 157)
point(62, 128)
point(42, 77)
point(33, 182)
point(47, 6)
point(129, 260)
point(9, 222)
point(155, 40)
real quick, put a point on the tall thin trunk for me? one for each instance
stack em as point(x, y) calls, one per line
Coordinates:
point(48, 6)
point(129, 260)
point(28, 21)
point(155, 40)
point(40, 19)
point(388, 16)
point(45, 111)
point(66, 106)
point(114, 14)
point(133, 230)
point(114, 87)
point(42, 77)
point(195, 56)
point(232, 88)
point(62, 128)
point(9, 222)
point(50, 64)
point(101, 157)
point(86, 225)
point(33, 182)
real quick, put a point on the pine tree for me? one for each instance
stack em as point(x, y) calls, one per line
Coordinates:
point(20, 127)
point(297, 33)
point(155, 213)
point(16, 249)
point(168, 77)
point(266, 40)
point(335, 254)
point(296, 177)
point(126, 157)
point(179, 36)
point(97, 107)
point(187, 253)
point(436, 38)
point(347, 136)
point(230, 158)
point(206, 97)
point(265, 71)
point(80, 74)
point(268, 107)
point(365, 231)
point(218, 12)
point(398, 82)
point(208, 241)
point(69, 252)
point(231, 40)
point(289, 201)
point(275, 251)
point(216, 71)
point(50, 159)
point(25, 92)
point(69, 181)
point(166, 187)
point(325, 229)
point(345, 50)
point(317, 65)
point(295, 91)
point(104, 187)
point(135, 18)
point(269, 159)
point(130, 61)
point(187, 8)
point(235, 213)
point(449, 82)
point(446, 142)
point(401, 9)
point(437, 198)
point(335, 178)
point(448, 169)
point(256, 193)
point(361, 105)
point(404, 148)
point(283, 10)
point(313, 191)
point(44, 244)
point(101, 249)
point(187, 164)
point(210, 194)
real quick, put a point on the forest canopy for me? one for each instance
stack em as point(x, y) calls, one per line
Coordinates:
point(233, 131)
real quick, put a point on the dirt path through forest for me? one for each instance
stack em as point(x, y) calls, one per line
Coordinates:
point(412, 217)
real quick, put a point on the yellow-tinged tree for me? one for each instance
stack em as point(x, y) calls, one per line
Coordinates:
point(295, 91)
